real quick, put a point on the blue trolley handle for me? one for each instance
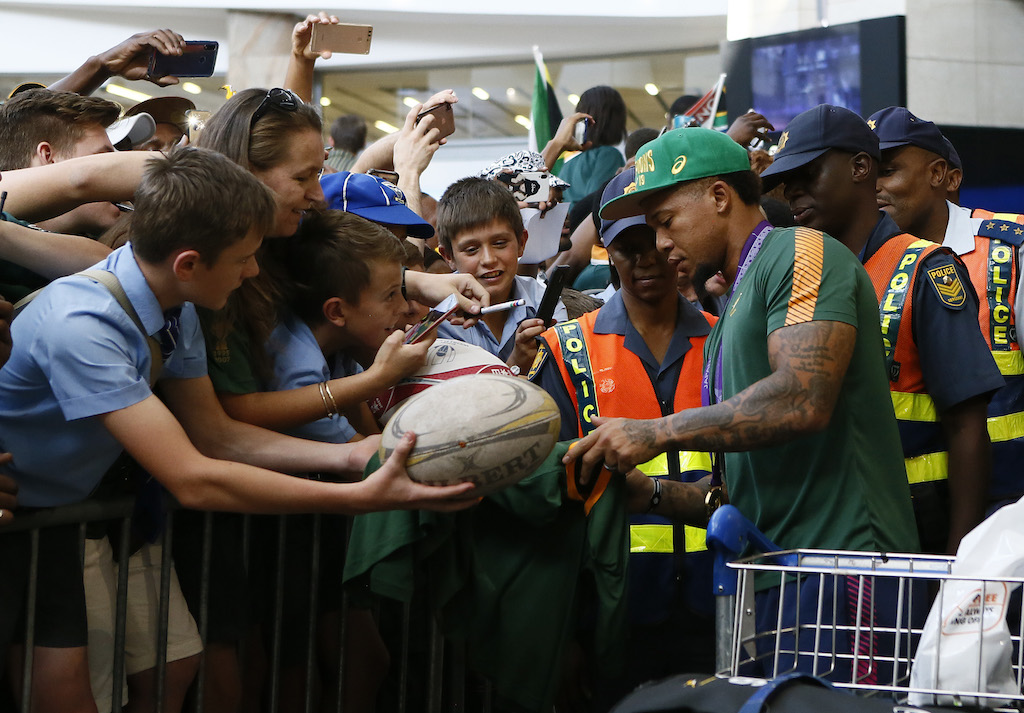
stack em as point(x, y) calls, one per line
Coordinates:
point(728, 535)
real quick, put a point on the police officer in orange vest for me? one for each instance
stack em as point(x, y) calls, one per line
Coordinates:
point(916, 159)
point(640, 356)
point(941, 373)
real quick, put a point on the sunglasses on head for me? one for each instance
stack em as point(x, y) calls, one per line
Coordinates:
point(277, 98)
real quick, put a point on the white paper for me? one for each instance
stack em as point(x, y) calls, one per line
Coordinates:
point(544, 233)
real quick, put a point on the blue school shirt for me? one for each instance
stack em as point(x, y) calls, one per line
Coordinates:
point(77, 355)
point(299, 361)
point(528, 288)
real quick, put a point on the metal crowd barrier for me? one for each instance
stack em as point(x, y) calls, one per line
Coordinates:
point(442, 670)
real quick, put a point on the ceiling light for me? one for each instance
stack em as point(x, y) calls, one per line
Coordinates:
point(510, 92)
point(191, 88)
point(325, 101)
point(481, 94)
point(118, 90)
point(409, 101)
point(385, 127)
point(523, 121)
point(574, 99)
point(652, 89)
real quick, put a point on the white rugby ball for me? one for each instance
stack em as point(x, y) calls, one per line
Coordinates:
point(490, 429)
point(446, 359)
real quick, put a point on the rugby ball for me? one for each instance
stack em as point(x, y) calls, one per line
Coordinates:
point(490, 429)
point(446, 359)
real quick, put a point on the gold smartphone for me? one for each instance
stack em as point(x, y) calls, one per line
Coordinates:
point(349, 39)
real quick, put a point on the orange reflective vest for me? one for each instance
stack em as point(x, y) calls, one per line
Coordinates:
point(994, 267)
point(603, 378)
point(893, 270)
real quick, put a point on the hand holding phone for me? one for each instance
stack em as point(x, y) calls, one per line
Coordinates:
point(434, 317)
point(198, 59)
point(444, 118)
point(344, 38)
point(527, 186)
point(196, 122)
point(559, 278)
point(581, 131)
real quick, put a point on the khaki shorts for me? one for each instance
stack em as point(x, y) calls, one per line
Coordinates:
point(142, 617)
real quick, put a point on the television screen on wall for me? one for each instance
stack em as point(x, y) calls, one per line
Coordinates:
point(860, 66)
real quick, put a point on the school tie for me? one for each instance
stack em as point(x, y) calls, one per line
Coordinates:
point(168, 334)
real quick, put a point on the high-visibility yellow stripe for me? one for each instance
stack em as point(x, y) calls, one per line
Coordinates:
point(1010, 363)
point(688, 461)
point(927, 468)
point(658, 539)
point(696, 539)
point(650, 538)
point(920, 407)
point(914, 407)
point(1006, 428)
point(1011, 217)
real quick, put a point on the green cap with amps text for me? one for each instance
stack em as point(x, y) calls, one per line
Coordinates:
point(676, 157)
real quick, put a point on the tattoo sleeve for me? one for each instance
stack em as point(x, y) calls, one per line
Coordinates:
point(808, 362)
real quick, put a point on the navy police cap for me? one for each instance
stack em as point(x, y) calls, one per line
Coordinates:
point(896, 126)
point(812, 133)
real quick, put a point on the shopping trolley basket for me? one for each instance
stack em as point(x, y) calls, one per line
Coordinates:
point(854, 618)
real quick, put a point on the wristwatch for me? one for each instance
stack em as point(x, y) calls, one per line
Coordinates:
point(713, 500)
point(655, 496)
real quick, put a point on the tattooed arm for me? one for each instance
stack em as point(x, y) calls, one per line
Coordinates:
point(808, 364)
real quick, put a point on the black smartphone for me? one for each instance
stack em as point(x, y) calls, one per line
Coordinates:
point(552, 293)
point(198, 59)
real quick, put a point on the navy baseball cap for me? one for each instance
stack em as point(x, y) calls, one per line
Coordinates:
point(896, 126)
point(374, 199)
point(812, 133)
point(622, 184)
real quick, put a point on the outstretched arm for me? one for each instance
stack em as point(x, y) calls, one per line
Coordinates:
point(204, 482)
point(299, 77)
point(130, 60)
point(808, 363)
point(41, 192)
point(50, 255)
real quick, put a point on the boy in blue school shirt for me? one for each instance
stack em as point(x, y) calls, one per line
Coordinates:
point(76, 391)
point(347, 319)
point(480, 233)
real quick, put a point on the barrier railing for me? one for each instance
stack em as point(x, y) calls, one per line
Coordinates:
point(118, 512)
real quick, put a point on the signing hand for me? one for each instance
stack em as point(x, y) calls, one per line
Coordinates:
point(429, 289)
point(620, 444)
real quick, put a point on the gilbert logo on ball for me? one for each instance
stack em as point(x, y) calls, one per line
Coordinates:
point(490, 429)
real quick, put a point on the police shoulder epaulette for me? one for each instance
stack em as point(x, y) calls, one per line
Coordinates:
point(1002, 230)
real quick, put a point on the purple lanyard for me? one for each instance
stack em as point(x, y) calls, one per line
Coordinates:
point(750, 250)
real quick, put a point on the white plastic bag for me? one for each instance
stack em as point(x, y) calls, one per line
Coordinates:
point(965, 645)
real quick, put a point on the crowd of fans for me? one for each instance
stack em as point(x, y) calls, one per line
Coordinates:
point(211, 318)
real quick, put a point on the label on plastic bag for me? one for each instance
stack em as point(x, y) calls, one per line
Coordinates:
point(972, 615)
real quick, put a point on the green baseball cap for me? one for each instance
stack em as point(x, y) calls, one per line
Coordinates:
point(675, 157)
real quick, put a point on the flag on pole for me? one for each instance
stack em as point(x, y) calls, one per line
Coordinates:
point(545, 116)
point(705, 112)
